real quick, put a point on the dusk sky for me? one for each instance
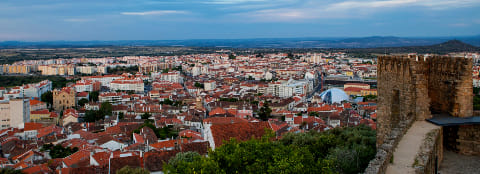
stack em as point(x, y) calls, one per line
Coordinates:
point(46, 20)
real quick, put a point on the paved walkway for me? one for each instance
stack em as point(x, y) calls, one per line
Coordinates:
point(456, 163)
point(409, 145)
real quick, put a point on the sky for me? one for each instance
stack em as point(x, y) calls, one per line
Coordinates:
point(85, 20)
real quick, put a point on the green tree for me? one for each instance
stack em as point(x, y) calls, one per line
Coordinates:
point(47, 97)
point(231, 56)
point(315, 114)
point(198, 85)
point(10, 171)
point(165, 70)
point(93, 96)
point(58, 151)
point(183, 157)
point(130, 170)
point(146, 115)
point(265, 112)
point(82, 102)
point(106, 109)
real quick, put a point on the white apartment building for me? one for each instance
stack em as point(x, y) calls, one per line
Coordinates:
point(128, 84)
point(210, 85)
point(105, 80)
point(172, 77)
point(14, 113)
point(37, 89)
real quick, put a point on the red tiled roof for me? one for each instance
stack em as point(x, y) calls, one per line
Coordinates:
point(167, 144)
point(101, 158)
point(224, 120)
point(138, 138)
point(43, 111)
point(77, 157)
point(239, 131)
point(353, 89)
point(217, 111)
point(42, 168)
point(35, 102)
point(32, 126)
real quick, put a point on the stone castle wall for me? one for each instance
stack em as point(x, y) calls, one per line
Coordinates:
point(412, 88)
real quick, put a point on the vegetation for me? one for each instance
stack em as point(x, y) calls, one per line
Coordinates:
point(146, 115)
point(93, 96)
point(231, 56)
point(315, 114)
point(346, 150)
point(265, 112)
point(10, 171)
point(92, 115)
point(170, 102)
point(161, 133)
point(82, 102)
point(198, 85)
point(476, 99)
point(229, 99)
point(47, 98)
point(129, 170)
point(123, 69)
point(10, 81)
point(58, 151)
point(370, 97)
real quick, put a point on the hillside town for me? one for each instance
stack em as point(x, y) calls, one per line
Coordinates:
point(140, 111)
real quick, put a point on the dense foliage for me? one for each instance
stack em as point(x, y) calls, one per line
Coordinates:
point(476, 99)
point(10, 81)
point(161, 133)
point(122, 69)
point(265, 112)
point(346, 150)
point(92, 115)
point(129, 170)
point(47, 97)
point(58, 151)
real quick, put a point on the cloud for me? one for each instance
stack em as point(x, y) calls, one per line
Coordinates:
point(311, 9)
point(78, 20)
point(373, 4)
point(233, 1)
point(460, 25)
point(156, 12)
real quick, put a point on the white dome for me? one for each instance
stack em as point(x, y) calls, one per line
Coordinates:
point(334, 95)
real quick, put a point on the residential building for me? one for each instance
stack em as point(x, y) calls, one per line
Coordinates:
point(14, 113)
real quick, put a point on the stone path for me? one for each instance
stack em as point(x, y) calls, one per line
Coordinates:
point(407, 148)
point(456, 163)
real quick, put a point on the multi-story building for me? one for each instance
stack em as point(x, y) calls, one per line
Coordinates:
point(37, 89)
point(104, 80)
point(14, 113)
point(64, 98)
point(87, 86)
point(210, 85)
point(128, 84)
point(174, 76)
point(16, 69)
point(111, 97)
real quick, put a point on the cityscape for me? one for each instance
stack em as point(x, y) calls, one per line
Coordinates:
point(270, 100)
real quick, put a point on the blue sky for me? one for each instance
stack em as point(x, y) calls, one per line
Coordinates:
point(40, 20)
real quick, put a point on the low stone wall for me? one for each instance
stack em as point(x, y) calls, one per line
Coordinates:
point(385, 151)
point(468, 141)
point(431, 153)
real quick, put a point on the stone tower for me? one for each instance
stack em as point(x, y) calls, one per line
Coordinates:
point(415, 87)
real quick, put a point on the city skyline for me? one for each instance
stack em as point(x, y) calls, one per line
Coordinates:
point(30, 20)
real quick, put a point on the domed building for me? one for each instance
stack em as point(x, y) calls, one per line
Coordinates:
point(334, 95)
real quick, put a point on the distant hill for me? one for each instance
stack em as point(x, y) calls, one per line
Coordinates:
point(308, 42)
point(442, 48)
